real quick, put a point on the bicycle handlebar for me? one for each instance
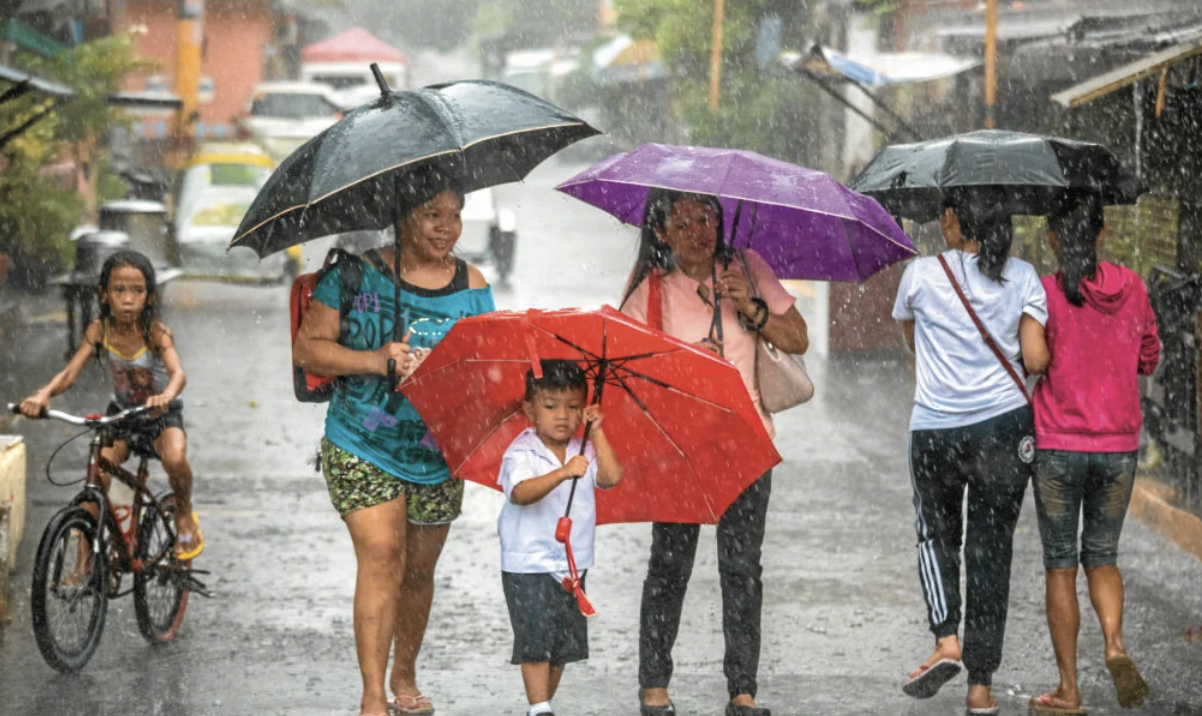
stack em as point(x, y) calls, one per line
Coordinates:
point(94, 421)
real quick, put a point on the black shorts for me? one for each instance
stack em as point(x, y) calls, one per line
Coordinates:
point(141, 434)
point(547, 623)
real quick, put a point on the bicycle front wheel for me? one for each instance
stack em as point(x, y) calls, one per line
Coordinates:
point(70, 590)
point(159, 594)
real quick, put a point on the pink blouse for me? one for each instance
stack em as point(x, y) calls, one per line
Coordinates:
point(688, 317)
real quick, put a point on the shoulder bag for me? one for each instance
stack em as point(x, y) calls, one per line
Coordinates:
point(997, 352)
point(781, 378)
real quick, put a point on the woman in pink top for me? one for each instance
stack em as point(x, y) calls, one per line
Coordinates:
point(1101, 335)
point(682, 249)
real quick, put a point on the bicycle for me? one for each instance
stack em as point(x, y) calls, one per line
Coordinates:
point(84, 554)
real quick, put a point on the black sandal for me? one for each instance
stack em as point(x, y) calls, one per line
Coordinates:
point(645, 710)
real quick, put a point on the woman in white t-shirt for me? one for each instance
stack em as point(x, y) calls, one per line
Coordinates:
point(972, 427)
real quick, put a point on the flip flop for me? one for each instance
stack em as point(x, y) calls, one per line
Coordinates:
point(932, 678)
point(1039, 706)
point(982, 710)
point(414, 705)
point(1129, 684)
point(197, 548)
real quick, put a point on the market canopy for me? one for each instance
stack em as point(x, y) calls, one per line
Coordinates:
point(877, 70)
point(354, 45)
point(1129, 74)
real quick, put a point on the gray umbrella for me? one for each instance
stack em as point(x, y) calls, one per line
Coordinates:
point(1029, 173)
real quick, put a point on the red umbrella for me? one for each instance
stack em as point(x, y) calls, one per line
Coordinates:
point(679, 418)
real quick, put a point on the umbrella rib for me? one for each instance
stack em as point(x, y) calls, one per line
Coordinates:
point(484, 440)
point(398, 166)
point(683, 456)
point(660, 384)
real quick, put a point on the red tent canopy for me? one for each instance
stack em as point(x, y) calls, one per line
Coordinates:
point(354, 45)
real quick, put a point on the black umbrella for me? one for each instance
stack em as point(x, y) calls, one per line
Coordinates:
point(358, 174)
point(1030, 173)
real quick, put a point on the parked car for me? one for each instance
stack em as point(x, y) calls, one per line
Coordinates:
point(215, 191)
point(281, 116)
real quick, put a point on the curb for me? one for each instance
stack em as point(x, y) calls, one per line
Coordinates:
point(1150, 505)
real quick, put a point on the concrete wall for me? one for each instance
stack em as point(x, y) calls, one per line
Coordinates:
point(12, 494)
point(236, 34)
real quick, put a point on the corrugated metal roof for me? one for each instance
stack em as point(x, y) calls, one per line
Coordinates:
point(1116, 79)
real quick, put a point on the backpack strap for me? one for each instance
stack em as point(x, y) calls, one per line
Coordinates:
point(350, 271)
point(997, 352)
point(350, 274)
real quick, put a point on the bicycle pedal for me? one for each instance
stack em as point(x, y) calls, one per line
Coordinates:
point(197, 587)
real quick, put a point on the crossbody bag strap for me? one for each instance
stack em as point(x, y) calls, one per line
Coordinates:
point(1022, 388)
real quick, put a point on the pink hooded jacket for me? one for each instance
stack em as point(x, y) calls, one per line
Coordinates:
point(1088, 401)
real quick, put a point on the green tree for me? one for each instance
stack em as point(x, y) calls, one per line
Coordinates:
point(759, 108)
point(536, 23)
point(37, 213)
point(94, 70)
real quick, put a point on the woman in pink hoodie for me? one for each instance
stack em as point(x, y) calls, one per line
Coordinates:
point(1101, 335)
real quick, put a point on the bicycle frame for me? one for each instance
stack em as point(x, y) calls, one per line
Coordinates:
point(94, 492)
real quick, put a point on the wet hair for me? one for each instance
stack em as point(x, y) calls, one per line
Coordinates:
point(984, 220)
point(655, 254)
point(150, 311)
point(557, 375)
point(420, 186)
point(1077, 222)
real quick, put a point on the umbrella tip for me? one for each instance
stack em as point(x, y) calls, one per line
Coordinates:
point(383, 83)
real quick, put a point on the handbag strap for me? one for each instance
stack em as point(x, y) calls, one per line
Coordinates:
point(997, 352)
point(655, 301)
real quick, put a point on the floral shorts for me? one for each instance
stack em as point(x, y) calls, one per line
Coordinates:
point(355, 483)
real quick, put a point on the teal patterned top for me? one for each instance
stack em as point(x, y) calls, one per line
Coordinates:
point(358, 420)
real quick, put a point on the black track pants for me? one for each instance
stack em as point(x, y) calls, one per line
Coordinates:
point(993, 460)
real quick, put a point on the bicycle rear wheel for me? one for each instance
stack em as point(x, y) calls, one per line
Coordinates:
point(70, 590)
point(159, 594)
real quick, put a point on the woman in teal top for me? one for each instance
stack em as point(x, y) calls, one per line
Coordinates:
point(385, 475)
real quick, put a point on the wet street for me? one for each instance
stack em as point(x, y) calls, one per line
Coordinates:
point(843, 618)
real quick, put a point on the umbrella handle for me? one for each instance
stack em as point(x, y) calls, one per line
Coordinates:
point(392, 379)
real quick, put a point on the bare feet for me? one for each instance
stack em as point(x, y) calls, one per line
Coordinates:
point(656, 697)
point(1061, 699)
point(189, 541)
point(946, 648)
point(979, 697)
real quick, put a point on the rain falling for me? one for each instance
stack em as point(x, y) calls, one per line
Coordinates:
point(595, 357)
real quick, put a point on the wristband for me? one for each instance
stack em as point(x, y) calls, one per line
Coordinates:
point(761, 315)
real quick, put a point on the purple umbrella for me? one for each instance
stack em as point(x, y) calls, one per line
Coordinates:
point(803, 222)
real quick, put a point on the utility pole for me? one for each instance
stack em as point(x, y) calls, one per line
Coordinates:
point(716, 55)
point(189, 39)
point(990, 62)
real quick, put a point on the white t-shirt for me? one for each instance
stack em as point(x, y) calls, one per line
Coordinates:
point(960, 381)
point(528, 544)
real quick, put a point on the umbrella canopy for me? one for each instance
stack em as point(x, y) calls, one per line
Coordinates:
point(351, 176)
point(679, 418)
point(804, 223)
point(1030, 171)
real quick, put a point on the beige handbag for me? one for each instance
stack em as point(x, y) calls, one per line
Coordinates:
point(780, 377)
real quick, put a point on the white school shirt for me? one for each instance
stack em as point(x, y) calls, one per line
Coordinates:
point(959, 379)
point(528, 544)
